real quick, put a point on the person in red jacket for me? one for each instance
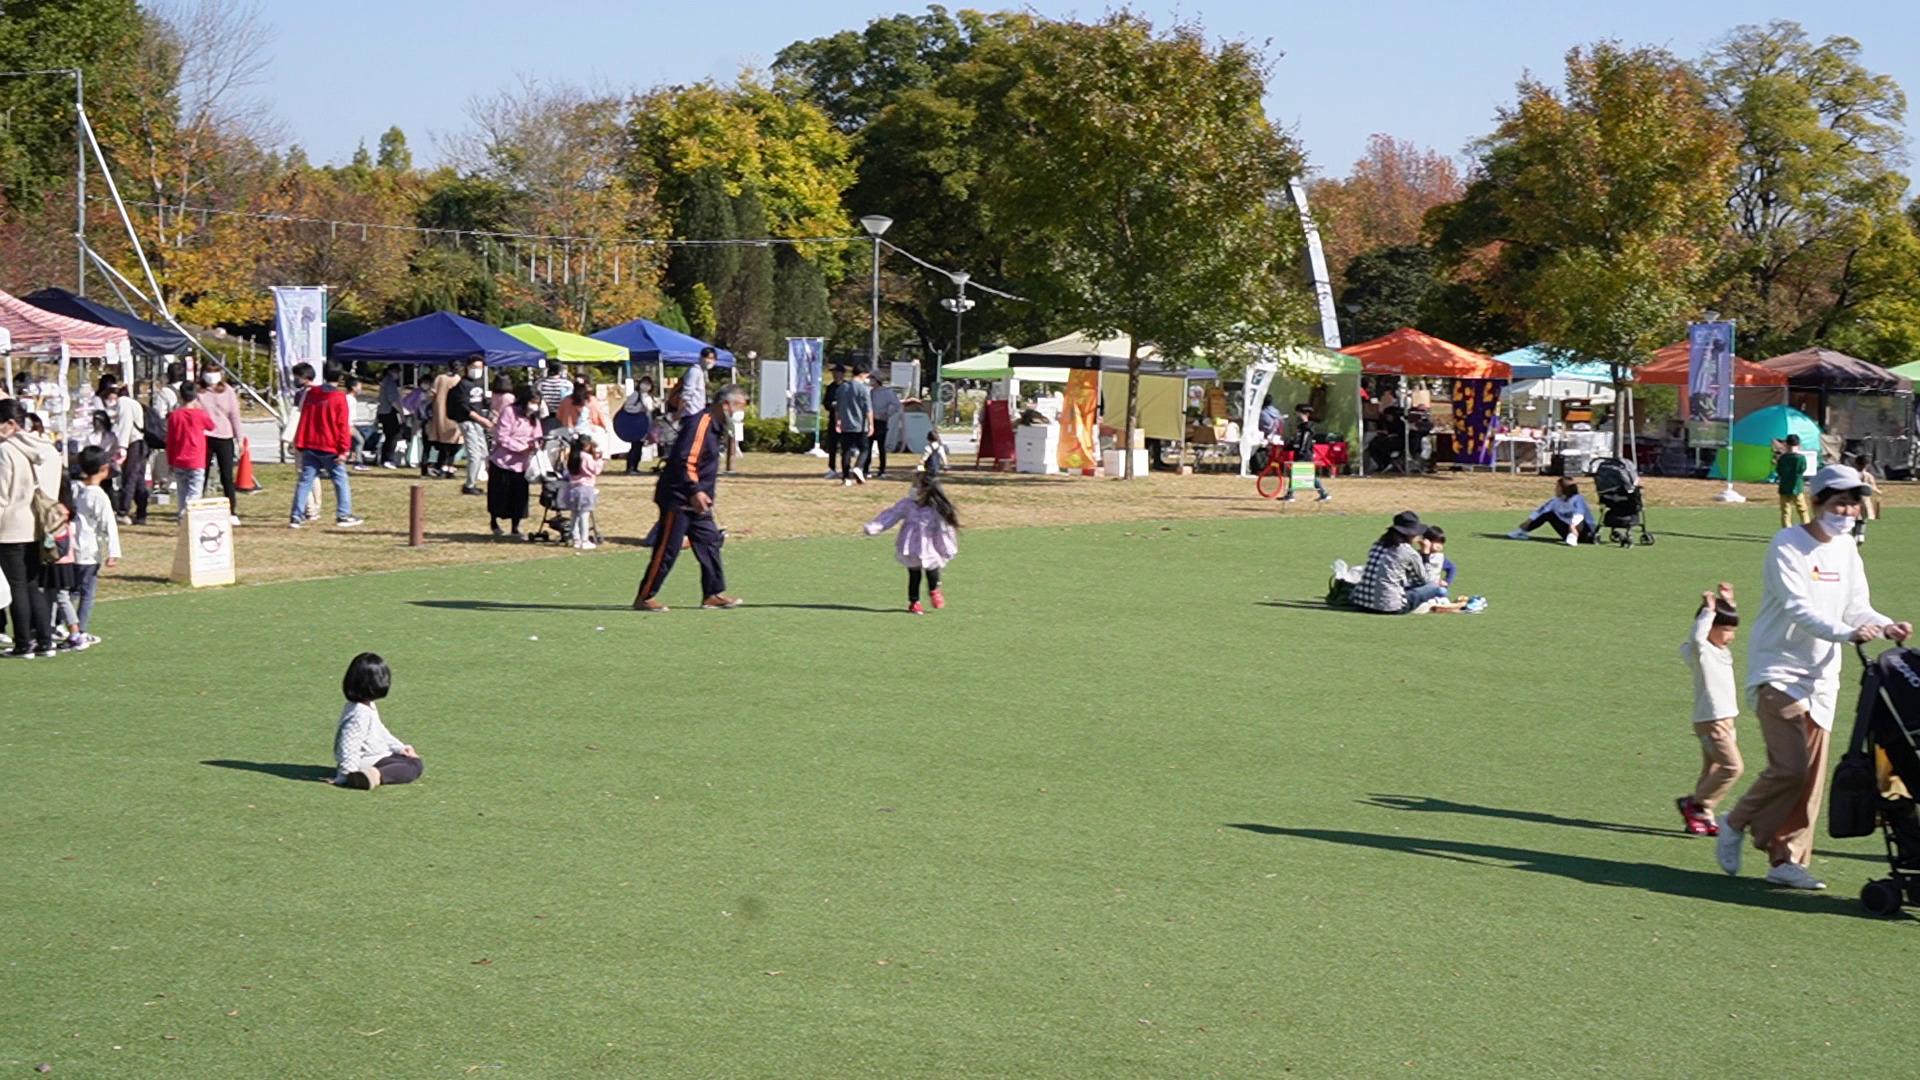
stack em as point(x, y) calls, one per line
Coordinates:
point(324, 437)
point(187, 428)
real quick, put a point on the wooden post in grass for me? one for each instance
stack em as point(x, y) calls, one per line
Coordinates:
point(417, 515)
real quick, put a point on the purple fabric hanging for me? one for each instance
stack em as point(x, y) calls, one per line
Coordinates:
point(1476, 407)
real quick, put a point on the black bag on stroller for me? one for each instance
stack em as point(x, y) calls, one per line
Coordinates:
point(1887, 719)
point(1622, 510)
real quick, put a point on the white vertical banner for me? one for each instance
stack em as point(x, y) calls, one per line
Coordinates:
point(805, 359)
point(1253, 392)
point(299, 330)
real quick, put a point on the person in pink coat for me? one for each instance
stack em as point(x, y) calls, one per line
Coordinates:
point(516, 434)
point(929, 538)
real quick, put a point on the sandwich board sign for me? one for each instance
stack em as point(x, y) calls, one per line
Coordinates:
point(203, 547)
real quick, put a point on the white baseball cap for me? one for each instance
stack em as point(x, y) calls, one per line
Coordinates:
point(1840, 478)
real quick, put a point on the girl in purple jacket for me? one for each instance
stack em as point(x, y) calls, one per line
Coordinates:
point(929, 538)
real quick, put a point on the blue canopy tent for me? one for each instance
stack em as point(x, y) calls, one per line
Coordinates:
point(149, 339)
point(439, 338)
point(651, 343)
point(1535, 362)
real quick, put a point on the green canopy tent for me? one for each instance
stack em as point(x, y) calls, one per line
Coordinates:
point(569, 348)
point(1908, 371)
point(1753, 437)
point(997, 364)
point(1326, 379)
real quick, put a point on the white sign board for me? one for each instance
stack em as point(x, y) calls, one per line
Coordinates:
point(203, 548)
point(775, 395)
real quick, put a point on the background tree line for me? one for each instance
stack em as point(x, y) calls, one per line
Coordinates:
point(1763, 179)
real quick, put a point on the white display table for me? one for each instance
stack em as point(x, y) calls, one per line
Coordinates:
point(1036, 448)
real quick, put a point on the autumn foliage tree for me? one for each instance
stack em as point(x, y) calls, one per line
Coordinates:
point(1382, 202)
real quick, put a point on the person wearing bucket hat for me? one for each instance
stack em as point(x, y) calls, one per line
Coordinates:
point(1815, 601)
point(1395, 580)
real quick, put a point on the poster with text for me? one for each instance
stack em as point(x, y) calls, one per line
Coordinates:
point(299, 330)
point(805, 358)
point(1710, 371)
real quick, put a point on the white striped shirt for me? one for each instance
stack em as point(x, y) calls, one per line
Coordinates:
point(362, 740)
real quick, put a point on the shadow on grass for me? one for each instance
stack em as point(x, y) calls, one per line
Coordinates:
point(507, 605)
point(1727, 538)
point(1444, 806)
point(285, 770)
point(1650, 877)
point(832, 607)
point(1312, 605)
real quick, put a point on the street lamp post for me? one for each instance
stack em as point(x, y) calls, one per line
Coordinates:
point(876, 225)
point(959, 305)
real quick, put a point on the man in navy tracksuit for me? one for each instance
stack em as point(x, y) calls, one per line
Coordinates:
point(684, 494)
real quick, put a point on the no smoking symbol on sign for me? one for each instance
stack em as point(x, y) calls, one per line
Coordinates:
point(211, 537)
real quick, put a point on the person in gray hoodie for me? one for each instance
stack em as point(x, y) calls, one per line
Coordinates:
point(853, 428)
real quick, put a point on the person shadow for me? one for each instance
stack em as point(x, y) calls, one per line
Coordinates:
point(285, 770)
point(1586, 869)
point(1443, 806)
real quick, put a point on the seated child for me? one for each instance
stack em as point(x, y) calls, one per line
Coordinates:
point(1440, 569)
point(367, 753)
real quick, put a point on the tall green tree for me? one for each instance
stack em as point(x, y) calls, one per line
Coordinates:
point(1821, 146)
point(1598, 206)
point(1386, 290)
point(1139, 184)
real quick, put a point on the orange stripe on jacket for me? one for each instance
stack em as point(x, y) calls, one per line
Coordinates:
point(649, 583)
point(699, 441)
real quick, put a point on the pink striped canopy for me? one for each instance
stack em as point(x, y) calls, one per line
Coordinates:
point(34, 329)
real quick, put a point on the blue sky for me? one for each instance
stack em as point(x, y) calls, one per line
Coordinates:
point(1431, 72)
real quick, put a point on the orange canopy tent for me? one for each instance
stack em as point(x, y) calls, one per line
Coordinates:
point(1669, 368)
point(1407, 351)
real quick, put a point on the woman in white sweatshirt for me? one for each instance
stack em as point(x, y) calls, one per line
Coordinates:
point(1815, 602)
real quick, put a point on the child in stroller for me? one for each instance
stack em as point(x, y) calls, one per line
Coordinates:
point(1874, 783)
point(1617, 483)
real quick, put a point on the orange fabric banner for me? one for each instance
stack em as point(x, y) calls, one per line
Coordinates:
point(1080, 420)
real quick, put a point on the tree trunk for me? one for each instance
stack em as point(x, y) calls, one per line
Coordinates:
point(1133, 406)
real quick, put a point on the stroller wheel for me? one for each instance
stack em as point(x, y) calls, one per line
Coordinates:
point(1880, 897)
point(1646, 538)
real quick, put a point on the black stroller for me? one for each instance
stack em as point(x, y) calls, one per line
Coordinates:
point(556, 521)
point(1622, 510)
point(1887, 719)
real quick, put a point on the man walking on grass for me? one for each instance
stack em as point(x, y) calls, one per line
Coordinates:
point(853, 421)
point(684, 493)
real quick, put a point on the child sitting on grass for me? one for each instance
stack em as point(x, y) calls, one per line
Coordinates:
point(1716, 703)
point(928, 538)
point(367, 753)
point(1440, 569)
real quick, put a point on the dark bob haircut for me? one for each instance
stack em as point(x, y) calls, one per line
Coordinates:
point(368, 679)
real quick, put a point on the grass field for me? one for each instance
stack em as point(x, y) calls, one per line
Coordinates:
point(1136, 804)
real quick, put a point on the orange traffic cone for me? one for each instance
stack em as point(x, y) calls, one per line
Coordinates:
point(243, 469)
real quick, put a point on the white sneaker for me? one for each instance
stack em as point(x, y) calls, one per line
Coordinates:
point(588, 545)
point(1726, 846)
point(1793, 876)
point(846, 483)
point(1572, 540)
point(1517, 534)
point(859, 476)
point(233, 519)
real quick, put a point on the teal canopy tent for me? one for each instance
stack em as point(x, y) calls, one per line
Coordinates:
point(1753, 439)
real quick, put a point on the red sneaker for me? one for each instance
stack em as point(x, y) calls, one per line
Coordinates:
point(915, 608)
point(1694, 817)
point(939, 600)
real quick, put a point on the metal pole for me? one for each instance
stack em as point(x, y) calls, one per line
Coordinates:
point(873, 356)
point(80, 173)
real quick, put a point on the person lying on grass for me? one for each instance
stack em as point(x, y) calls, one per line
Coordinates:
point(367, 753)
point(1396, 580)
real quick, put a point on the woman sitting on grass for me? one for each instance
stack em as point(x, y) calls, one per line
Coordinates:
point(367, 753)
point(1396, 581)
point(1567, 512)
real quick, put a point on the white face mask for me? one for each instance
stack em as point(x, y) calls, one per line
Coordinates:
point(213, 378)
point(1836, 524)
point(475, 372)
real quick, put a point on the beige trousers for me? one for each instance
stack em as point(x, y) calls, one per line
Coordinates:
point(1792, 504)
point(1780, 809)
point(1720, 762)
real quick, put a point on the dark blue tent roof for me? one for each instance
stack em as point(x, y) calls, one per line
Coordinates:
point(648, 341)
point(439, 338)
point(149, 339)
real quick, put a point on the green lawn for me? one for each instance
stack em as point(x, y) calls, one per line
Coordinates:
point(1134, 805)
